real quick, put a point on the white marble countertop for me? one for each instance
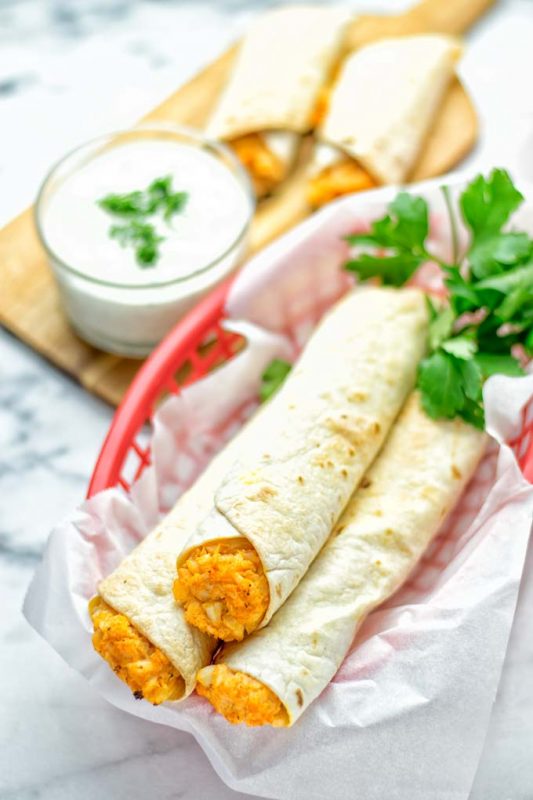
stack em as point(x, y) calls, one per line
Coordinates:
point(70, 69)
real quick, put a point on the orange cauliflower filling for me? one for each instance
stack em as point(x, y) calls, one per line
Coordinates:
point(143, 667)
point(339, 179)
point(265, 168)
point(241, 698)
point(321, 106)
point(223, 589)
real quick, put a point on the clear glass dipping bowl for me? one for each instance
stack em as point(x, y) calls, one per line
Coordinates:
point(130, 320)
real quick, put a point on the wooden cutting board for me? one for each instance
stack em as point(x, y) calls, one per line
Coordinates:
point(29, 302)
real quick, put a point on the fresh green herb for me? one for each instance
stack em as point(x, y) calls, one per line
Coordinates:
point(490, 290)
point(273, 377)
point(142, 236)
point(132, 204)
point(137, 207)
point(400, 240)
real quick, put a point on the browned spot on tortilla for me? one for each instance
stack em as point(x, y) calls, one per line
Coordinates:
point(351, 451)
point(264, 493)
point(339, 529)
point(456, 472)
point(365, 483)
point(376, 427)
point(357, 397)
point(278, 590)
point(300, 480)
point(344, 473)
point(299, 697)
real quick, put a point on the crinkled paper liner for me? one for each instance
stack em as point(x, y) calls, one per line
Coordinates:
point(406, 715)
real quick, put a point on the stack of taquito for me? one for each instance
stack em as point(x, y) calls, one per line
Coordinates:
point(276, 540)
point(274, 87)
point(371, 109)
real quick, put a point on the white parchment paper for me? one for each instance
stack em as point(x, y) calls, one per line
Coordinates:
point(406, 715)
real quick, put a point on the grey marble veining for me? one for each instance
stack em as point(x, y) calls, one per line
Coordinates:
point(70, 69)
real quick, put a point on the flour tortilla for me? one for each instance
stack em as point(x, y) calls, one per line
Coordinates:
point(319, 434)
point(284, 59)
point(415, 481)
point(385, 100)
point(141, 587)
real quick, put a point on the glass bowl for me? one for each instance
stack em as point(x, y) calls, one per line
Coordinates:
point(128, 317)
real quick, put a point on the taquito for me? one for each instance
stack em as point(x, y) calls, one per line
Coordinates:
point(138, 628)
point(380, 111)
point(268, 103)
point(278, 504)
point(274, 675)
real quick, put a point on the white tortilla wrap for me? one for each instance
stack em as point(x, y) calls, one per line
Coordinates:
point(141, 586)
point(415, 481)
point(319, 434)
point(284, 59)
point(385, 100)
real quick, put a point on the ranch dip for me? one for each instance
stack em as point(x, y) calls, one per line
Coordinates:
point(112, 300)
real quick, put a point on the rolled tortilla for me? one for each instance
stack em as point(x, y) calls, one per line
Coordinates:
point(138, 628)
point(269, 101)
point(276, 507)
point(380, 112)
point(274, 675)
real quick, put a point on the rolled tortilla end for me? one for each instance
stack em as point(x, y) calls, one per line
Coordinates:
point(341, 176)
point(385, 529)
point(223, 588)
point(133, 658)
point(240, 698)
point(268, 157)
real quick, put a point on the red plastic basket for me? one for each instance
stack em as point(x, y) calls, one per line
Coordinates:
point(184, 352)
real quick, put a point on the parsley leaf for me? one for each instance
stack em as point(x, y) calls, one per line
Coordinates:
point(517, 299)
point(273, 377)
point(519, 277)
point(401, 233)
point(394, 270)
point(471, 378)
point(462, 347)
point(440, 384)
point(491, 255)
point(142, 236)
point(133, 204)
point(495, 364)
point(440, 327)
point(487, 203)
point(407, 224)
point(490, 289)
point(451, 387)
point(137, 207)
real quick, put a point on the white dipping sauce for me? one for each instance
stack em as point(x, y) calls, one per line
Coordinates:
point(122, 306)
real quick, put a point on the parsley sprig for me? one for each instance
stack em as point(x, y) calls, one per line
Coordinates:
point(490, 288)
point(273, 377)
point(135, 208)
